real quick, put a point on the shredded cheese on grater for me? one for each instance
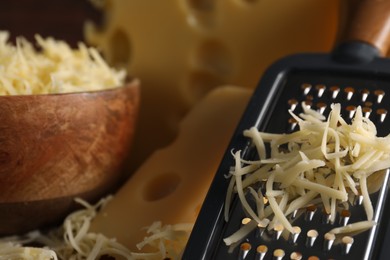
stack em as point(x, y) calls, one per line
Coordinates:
point(52, 67)
point(325, 162)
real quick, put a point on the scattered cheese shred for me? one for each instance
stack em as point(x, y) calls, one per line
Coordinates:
point(13, 251)
point(52, 67)
point(241, 233)
point(326, 161)
point(170, 239)
point(74, 241)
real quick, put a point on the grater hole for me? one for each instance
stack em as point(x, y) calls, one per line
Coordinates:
point(312, 235)
point(334, 90)
point(278, 229)
point(293, 103)
point(244, 250)
point(366, 111)
point(308, 103)
point(344, 217)
point(347, 242)
point(292, 124)
point(310, 210)
point(358, 200)
point(313, 257)
point(368, 104)
point(382, 114)
point(245, 221)
point(263, 223)
point(351, 110)
point(261, 251)
point(329, 238)
point(364, 94)
point(306, 88)
point(320, 89)
point(349, 91)
point(295, 234)
point(321, 106)
point(261, 227)
point(326, 217)
point(279, 254)
point(379, 95)
point(296, 256)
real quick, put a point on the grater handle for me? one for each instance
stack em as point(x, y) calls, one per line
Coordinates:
point(370, 24)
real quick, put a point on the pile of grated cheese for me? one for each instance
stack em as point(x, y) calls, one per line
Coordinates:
point(327, 162)
point(13, 251)
point(74, 241)
point(52, 66)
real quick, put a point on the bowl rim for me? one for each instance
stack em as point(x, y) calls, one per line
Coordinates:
point(130, 82)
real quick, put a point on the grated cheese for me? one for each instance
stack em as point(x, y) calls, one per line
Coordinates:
point(74, 241)
point(14, 251)
point(326, 161)
point(52, 67)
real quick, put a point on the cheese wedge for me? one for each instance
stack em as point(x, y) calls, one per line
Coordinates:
point(183, 49)
point(171, 185)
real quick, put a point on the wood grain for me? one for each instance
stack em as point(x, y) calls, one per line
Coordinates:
point(56, 147)
point(371, 24)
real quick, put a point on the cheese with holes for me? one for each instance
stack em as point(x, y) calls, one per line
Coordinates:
point(183, 49)
point(172, 183)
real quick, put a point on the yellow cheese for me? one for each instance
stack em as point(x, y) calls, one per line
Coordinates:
point(54, 68)
point(10, 251)
point(172, 183)
point(183, 49)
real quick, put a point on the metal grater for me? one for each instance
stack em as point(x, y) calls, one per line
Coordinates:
point(312, 241)
point(353, 74)
point(319, 90)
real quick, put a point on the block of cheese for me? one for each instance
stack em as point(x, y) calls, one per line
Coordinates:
point(183, 49)
point(172, 183)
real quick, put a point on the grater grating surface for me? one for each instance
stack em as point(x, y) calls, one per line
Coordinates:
point(318, 90)
point(359, 76)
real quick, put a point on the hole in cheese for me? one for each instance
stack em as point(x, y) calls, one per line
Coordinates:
point(161, 186)
point(201, 13)
point(120, 48)
point(202, 5)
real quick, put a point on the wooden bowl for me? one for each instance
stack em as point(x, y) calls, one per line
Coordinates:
point(56, 147)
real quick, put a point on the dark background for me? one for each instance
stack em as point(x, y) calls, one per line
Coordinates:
point(61, 19)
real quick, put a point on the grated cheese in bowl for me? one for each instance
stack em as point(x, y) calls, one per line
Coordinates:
point(325, 162)
point(52, 66)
